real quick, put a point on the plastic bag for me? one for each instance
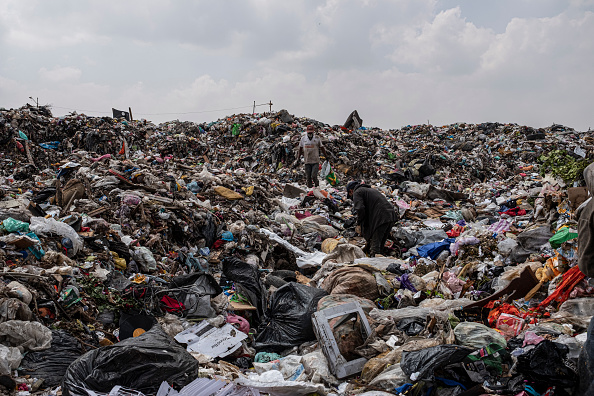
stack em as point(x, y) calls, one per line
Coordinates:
point(477, 335)
point(316, 367)
point(463, 241)
point(43, 226)
point(10, 359)
point(545, 364)
point(326, 169)
point(19, 291)
point(390, 378)
point(506, 246)
point(140, 363)
point(247, 282)
point(12, 225)
point(13, 308)
point(32, 336)
point(51, 364)
point(421, 364)
point(195, 291)
point(272, 382)
point(287, 322)
point(145, 259)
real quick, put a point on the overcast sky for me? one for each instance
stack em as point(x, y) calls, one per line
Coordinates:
point(397, 62)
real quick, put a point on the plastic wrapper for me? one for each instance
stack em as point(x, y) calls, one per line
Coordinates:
point(287, 322)
point(140, 363)
point(32, 336)
point(509, 325)
point(477, 335)
point(13, 225)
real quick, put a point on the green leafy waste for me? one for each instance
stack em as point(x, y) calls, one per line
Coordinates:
point(560, 164)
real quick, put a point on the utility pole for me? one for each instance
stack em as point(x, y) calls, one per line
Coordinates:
point(35, 100)
point(270, 104)
point(254, 111)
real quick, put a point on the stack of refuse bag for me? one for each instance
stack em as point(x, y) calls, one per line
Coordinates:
point(191, 258)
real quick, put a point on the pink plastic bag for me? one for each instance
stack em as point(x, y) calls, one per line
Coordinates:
point(241, 323)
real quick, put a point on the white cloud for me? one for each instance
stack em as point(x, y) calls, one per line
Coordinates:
point(60, 74)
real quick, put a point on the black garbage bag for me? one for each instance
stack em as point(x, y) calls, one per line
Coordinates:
point(405, 238)
point(545, 365)
point(195, 291)
point(412, 326)
point(426, 361)
point(247, 282)
point(51, 364)
point(287, 322)
point(140, 363)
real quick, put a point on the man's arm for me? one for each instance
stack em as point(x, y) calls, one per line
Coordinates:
point(359, 207)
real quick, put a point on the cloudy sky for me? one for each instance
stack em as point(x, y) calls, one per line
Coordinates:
point(397, 62)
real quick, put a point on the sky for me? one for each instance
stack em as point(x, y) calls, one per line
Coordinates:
point(398, 63)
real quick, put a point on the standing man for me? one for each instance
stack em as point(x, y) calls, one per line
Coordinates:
point(310, 146)
point(375, 215)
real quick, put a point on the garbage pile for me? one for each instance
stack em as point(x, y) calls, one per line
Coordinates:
point(191, 259)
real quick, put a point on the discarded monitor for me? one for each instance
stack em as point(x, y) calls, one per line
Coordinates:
point(338, 364)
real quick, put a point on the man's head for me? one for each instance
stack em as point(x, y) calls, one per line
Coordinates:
point(310, 131)
point(351, 187)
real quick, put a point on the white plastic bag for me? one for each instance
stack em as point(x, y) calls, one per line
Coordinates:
point(145, 259)
point(32, 336)
point(10, 359)
point(43, 226)
point(326, 169)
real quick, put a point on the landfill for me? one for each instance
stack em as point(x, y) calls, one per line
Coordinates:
point(190, 258)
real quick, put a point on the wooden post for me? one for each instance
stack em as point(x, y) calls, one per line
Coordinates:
point(130, 110)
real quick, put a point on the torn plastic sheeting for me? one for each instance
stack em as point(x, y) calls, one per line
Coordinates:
point(32, 336)
point(272, 382)
point(211, 341)
point(207, 387)
point(51, 364)
point(304, 259)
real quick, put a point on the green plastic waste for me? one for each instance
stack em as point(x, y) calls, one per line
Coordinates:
point(563, 235)
point(235, 130)
point(13, 225)
point(23, 136)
